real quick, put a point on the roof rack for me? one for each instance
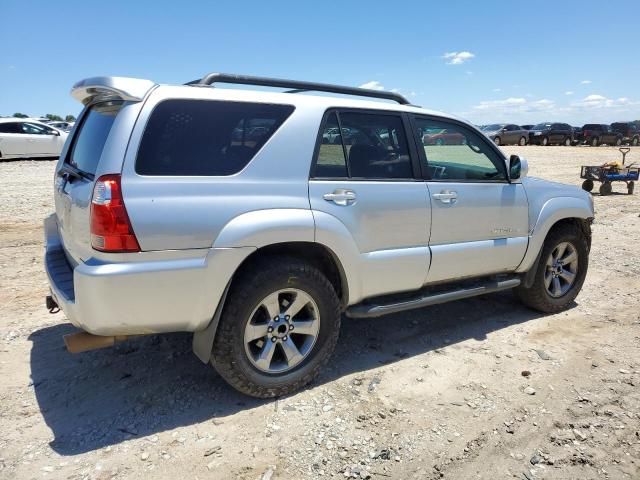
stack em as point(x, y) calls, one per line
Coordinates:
point(296, 86)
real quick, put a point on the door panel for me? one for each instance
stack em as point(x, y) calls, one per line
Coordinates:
point(483, 231)
point(479, 221)
point(389, 223)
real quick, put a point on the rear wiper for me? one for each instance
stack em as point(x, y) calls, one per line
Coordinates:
point(75, 172)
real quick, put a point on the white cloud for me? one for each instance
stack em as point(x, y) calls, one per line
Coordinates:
point(592, 108)
point(569, 92)
point(457, 58)
point(372, 85)
point(595, 101)
point(497, 90)
point(585, 82)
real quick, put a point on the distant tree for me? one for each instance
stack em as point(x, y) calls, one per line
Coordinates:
point(53, 118)
point(20, 115)
point(69, 118)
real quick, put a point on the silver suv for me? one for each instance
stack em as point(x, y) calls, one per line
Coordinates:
point(228, 214)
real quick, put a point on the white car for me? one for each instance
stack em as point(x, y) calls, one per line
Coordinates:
point(23, 138)
point(62, 125)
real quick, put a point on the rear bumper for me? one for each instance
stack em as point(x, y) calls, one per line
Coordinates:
point(156, 292)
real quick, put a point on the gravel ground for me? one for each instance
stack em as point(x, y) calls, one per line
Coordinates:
point(481, 388)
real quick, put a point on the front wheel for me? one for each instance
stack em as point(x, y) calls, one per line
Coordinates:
point(545, 141)
point(522, 142)
point(496, 140)
point(630, 187)
point(567, 142)
point(278, 329)
point(618, 142)
point(635, 141)
point(587, 185)
point(594, 142)
point(560, 273)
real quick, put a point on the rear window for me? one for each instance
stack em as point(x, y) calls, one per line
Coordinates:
point(206, 138)
point(592, 126)
point(92, 135)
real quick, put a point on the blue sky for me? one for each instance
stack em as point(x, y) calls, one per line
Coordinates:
point(487, 61)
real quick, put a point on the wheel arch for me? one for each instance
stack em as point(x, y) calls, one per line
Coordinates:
point(317, 254)
point(554, 213)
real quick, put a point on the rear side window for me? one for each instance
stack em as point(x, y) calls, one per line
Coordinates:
point(90, 139)
point(206, 138)
point(10, 128)
point(365, 146)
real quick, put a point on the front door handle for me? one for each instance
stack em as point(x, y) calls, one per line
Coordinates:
point(446, 196)
point(341, 197)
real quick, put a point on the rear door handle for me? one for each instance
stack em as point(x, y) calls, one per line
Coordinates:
point(446, 196)
point(341, 197)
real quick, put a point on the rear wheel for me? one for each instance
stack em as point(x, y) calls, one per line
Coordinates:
point(595, 142)
point(605, 189)
point(496, 140)
point(567, 142)
point(630, 187)
point(618, 142)
point(635, 141)
point(545, 141)
point(560, 273)
point(587, 185)
point(278, 329)
point(439, 142)
point(522, 142)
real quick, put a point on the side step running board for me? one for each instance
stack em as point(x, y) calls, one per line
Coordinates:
point(424, 299)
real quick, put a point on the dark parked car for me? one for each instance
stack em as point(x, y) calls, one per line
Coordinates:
point(595, 134)
point(527, 127)
point(551, 133)
point(577, 135)
point(506, 134)
point(630, 132)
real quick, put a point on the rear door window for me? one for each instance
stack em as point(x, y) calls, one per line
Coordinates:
point(10, 128)
point(90, 139)
point(205, 137)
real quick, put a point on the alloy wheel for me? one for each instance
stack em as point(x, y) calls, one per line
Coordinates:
point(281, 331)
point(561, 269)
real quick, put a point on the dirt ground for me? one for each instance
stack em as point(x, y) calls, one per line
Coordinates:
point(434, 393)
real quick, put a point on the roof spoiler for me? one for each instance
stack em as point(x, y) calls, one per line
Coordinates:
point(96, 89)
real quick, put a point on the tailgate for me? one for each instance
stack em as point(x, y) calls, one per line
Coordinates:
point(75, 177)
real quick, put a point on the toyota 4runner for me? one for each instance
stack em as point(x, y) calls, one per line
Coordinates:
point(226, 213)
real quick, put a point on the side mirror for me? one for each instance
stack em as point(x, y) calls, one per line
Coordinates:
point(518, 167)
point(54, 132)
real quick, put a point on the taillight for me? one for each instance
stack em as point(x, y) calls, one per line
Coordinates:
point(111, 229)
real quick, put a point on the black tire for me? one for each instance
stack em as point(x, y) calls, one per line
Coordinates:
point(618, 142)
point(635, 141)
point(545, 141)
point(587, 185)
point(229, 357)
point(439, 142)
point(537, 296)
point(567, 142)
point(594, 142)
point(325, 141)
point(522, 142)
point(496, 140)
point(605, 189)
point(630, 187)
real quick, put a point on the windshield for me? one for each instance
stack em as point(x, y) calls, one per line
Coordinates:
point(493, 127)
point(541, 126)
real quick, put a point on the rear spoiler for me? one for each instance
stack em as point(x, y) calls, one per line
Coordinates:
point(95, 89)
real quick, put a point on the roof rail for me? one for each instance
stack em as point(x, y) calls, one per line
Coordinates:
point(296, 86)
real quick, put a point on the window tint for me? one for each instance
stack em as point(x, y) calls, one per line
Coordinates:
point(33, 129)
point(90, 139)
point(206, 138)
point(455, 152)
point(10, 128)
point(331, 162)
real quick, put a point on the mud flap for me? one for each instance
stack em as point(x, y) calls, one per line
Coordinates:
point(203, 340)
